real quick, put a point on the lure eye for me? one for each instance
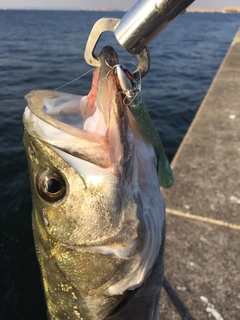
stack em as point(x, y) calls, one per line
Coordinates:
point(50, 186)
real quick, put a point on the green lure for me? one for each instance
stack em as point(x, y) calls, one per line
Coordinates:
point(141, 115)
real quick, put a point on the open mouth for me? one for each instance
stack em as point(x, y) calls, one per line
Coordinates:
point(57, 120)
point(84, 127)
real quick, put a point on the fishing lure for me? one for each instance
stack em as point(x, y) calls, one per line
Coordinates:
point(127, 85)
point(126, 82)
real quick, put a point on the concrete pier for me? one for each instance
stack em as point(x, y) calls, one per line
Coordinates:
point(202, 257)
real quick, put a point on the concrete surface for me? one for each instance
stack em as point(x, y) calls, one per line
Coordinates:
point(203, 207)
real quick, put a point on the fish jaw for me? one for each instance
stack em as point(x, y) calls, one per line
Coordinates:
point(103, 237)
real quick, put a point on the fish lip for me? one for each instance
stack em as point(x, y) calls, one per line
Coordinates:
point(34, 101)
point(108, 58)
point(123, 252)
point(83, 144)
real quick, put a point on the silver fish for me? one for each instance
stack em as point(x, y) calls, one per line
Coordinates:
point(98, 214)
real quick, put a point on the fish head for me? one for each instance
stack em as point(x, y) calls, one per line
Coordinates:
point(98, 214)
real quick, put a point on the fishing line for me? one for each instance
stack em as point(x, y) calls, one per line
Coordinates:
point(64, 85)
point(130, 62)
point(6, 100)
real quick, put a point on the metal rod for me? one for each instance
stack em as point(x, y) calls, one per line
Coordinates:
point(145, 20)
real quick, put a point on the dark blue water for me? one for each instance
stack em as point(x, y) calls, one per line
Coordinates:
point(45, 50)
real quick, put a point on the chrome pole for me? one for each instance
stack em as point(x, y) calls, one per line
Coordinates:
point(145, 20)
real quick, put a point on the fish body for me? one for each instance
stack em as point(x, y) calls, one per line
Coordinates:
point(98, 214)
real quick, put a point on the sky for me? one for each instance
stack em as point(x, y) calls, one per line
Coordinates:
point(98, 4)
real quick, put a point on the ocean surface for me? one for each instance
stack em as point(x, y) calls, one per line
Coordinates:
point(44, 50)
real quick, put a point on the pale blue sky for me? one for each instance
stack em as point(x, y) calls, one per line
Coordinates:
point(97, 4)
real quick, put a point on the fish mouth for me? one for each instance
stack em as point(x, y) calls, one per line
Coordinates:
point(79, 125)
point(56, 119)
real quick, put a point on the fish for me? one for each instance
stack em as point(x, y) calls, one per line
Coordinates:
point(98, 215)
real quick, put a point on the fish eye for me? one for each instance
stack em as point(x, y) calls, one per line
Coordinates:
point(50, 185)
